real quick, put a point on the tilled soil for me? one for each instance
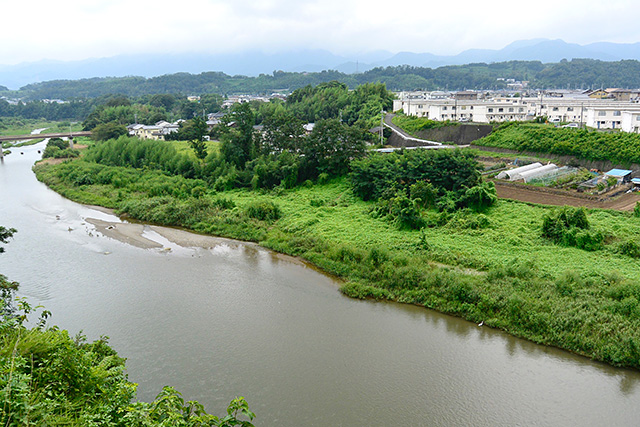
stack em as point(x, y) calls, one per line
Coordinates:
point(625, 202)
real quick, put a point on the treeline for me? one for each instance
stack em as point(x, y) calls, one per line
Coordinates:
point(618, 147)
point(577, 73)
point(114, 107)
point(283, 153)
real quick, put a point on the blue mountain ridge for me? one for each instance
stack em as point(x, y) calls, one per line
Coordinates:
point(254, 63)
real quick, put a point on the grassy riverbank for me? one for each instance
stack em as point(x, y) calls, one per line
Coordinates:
point(493, 267)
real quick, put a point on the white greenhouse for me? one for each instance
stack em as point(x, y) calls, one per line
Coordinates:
point(513, 173)
point(538, 172)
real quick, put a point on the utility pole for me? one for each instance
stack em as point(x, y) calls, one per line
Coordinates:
point(455, 108)
point(381, 125)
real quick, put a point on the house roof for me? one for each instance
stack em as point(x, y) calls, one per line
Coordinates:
point(618, 172)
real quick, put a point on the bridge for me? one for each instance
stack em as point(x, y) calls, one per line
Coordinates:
point(44, 135)
point(69, 135)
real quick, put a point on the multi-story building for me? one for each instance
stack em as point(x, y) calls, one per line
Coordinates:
point(564, 107)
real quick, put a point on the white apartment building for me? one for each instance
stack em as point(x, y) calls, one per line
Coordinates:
point(595, 113)
point(630, 121)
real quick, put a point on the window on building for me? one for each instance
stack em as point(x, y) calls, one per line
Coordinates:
point(602, 113)
point(490, 110)
point(617, 113)
point(500, 110)
point(569, 108)
point(511, 109)
point(444, 108)
point(555, 108)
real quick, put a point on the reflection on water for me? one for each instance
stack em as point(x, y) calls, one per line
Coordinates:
point(232, 319)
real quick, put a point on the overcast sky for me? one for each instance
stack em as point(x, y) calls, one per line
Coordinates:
point(79, 29)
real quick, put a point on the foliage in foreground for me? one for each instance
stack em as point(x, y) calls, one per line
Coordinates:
point(48, 378)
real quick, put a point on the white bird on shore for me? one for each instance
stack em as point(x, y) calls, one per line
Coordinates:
point(481, 323)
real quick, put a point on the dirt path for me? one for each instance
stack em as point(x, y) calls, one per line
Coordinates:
point(625, 202)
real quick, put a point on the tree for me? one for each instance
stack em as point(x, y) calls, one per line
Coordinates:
point(106, 131)
point(237, 135)
point(7, 288)
point(282, 131)
point(330, 148)
point(195, 130)
point(5, 235)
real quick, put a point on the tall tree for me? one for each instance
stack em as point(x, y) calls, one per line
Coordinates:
point(237, 135)
point(282, 131)
point(195, 130)
point(330, 148)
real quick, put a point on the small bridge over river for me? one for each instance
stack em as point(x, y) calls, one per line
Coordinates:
point(68, 135)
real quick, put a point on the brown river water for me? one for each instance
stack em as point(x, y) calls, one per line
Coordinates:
point(218, 319)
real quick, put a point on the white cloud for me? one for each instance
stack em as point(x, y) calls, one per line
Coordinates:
point(76, 29)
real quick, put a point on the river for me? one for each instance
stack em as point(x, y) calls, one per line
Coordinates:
point(235, 319)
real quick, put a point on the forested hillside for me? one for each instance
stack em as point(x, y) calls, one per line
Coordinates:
point(577, 73)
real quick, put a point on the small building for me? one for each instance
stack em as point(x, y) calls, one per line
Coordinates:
point(466, 95)
point(636, 183)
point(622, 175)
point(599, 94)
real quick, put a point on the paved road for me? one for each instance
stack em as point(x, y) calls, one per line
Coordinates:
point(423, 142)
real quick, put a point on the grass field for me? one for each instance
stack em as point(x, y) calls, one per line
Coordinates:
point(493, 267)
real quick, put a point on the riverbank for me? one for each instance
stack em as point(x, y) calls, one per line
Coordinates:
point(494, 268)
point(145, 236)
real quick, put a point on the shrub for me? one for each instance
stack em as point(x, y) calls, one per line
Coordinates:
point(630, 248)
point(264, 210)
point(569, 227)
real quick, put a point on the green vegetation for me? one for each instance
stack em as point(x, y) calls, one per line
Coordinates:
point(620, 147)
point(59, 149)
point(574, 73)
point(570, 227)
point(361, 107)
point(19, 126)
point(440, 244)
point(413, 124)
point(48, 378)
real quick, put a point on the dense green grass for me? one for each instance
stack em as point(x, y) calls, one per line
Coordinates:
point(493, 267)
point(18, 126)
point(621, 147)
point(412, 124)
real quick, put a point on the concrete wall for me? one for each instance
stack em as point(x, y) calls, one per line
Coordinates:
point(461, 134)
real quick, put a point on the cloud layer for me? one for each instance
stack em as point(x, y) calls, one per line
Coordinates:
point(77, 29)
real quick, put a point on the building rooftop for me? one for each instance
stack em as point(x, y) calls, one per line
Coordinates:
point(618, 172)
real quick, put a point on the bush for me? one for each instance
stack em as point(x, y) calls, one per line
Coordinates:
point(569, 227)
point(264, 210)
point(629, 248)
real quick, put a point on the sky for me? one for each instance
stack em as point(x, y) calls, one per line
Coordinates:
point(33, 30)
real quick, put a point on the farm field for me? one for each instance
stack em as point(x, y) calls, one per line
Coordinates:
point(625, 202)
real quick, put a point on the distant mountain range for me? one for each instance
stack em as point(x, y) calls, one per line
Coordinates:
point(256, 63)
